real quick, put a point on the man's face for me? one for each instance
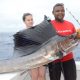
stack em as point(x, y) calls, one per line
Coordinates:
point(59, 13)
point(29, 21)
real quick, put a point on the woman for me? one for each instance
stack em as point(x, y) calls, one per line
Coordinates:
point(36, 73)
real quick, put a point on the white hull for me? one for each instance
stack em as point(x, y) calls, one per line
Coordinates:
point(78, 65)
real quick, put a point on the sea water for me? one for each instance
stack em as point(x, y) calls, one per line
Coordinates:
point(7, 46)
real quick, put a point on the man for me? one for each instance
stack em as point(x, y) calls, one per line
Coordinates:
point(66, 64)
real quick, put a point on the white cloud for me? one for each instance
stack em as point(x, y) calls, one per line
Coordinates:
point(11, 11)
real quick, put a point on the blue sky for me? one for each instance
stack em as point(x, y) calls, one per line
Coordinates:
point(11, 12)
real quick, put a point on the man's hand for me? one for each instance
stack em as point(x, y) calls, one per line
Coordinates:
point(78, 33)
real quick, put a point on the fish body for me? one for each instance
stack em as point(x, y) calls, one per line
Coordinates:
point(37, 46)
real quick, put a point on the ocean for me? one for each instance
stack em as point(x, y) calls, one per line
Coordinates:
point(7, 47)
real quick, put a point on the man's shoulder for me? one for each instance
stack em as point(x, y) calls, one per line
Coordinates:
point(68, 22)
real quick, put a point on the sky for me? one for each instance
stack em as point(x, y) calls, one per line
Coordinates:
point(11, 12)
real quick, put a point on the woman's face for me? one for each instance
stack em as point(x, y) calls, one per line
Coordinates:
point(29, 21)
point(59, 13)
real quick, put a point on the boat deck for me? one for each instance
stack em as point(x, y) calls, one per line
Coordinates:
point(26, 76)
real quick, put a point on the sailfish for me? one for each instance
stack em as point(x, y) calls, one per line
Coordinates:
point(37, 46)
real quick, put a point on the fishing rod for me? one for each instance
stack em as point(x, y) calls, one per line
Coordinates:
point(73, 16)
point(61, 52)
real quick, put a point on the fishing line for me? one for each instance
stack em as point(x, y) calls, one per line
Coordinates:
point(73, 16)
